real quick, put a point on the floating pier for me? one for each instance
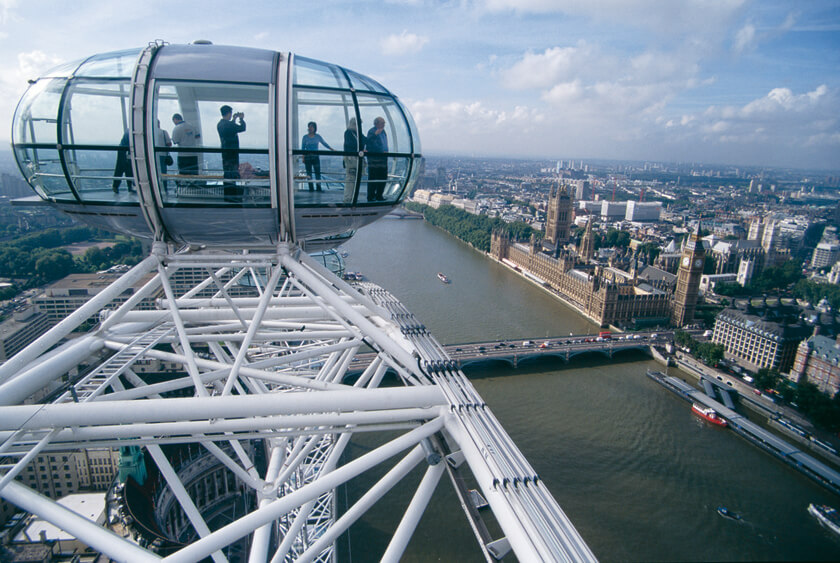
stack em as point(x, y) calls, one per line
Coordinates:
point(747, 429)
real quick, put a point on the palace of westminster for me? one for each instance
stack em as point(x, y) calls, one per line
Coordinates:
point(605, 292)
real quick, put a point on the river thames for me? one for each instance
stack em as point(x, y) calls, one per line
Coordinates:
point(636, 472)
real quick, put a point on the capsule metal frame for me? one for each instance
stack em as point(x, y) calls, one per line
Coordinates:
point(66, 129)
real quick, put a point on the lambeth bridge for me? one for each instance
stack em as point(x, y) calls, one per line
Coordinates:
point(565, 347)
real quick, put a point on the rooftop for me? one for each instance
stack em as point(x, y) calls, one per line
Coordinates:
point(87, 505)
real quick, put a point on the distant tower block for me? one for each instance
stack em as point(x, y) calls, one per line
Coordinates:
point(559, 220)
point(688, 280)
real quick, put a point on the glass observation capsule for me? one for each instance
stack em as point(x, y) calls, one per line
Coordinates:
point(216, 145)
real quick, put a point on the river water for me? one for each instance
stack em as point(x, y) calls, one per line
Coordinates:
point(637, 473)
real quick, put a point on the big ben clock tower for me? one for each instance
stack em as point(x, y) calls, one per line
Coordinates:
point(688, 280)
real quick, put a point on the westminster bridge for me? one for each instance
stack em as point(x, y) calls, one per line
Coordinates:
point(565, 347)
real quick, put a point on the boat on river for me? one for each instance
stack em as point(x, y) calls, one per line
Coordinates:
point(827, 516)
point(442, 277)
point(726, 513)
point(709, 414)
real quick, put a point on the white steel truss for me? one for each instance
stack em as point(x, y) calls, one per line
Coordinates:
point(257, 406)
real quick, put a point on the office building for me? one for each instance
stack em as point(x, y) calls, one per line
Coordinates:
point(818, 361)
point(825, 255)
point(17, 332)
point(757, 342)
point(63, 297)
point(643, 211)
point(57, 474)
point(613, 210)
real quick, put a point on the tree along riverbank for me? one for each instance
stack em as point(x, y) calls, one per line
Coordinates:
point(472, 229)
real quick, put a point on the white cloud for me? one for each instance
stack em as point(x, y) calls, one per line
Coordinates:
point(543, 70)
point(403, 44)
point(31, 65)
point(465, 126)
point(749, 37)
point(565, 93)
point(745, 38)
point(782, 101)
point(7, 8)
point(781, 127)
point(789, 22)
point(35, 63)
point(665, 17)
point(586, 80)
point(14, 79)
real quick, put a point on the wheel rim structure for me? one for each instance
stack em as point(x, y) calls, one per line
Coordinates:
point(258, 387)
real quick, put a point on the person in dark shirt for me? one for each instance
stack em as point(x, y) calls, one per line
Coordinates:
point(123, 166)
point(376, 144)
point(355, 144)
point(229, 131)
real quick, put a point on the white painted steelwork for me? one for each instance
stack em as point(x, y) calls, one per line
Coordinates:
point(259, 385)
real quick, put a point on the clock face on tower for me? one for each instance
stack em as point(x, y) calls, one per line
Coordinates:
point(697, 263)
point(686, 261)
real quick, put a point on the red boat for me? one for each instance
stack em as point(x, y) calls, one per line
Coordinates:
point(708, 414)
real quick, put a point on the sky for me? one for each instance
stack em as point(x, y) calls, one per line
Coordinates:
point(743, 82)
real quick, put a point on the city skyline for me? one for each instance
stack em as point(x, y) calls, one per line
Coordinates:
point(735, 82)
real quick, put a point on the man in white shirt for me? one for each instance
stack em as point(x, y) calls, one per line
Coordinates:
point(184, 136)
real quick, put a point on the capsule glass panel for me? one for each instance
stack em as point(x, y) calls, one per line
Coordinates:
point(195, 168)
point(95, 112)
point(360, 82)
point(42, 169)
point(309, 72)
point(119, 64)
point(385, 179)
point(63, 70)
point(36, 118)
point(320, 180)
point(412, 129)
point(320, 121)
point(329, 111)
point(94, 137)
point(397, 137)
point(101, 175)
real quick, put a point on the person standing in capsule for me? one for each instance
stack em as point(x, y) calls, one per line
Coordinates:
point(312, 162)
point(229, 127)
point(184, 135)
point(355, 144)
point(376, 144)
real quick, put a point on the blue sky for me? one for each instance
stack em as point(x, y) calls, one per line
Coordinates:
point(714, 81)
